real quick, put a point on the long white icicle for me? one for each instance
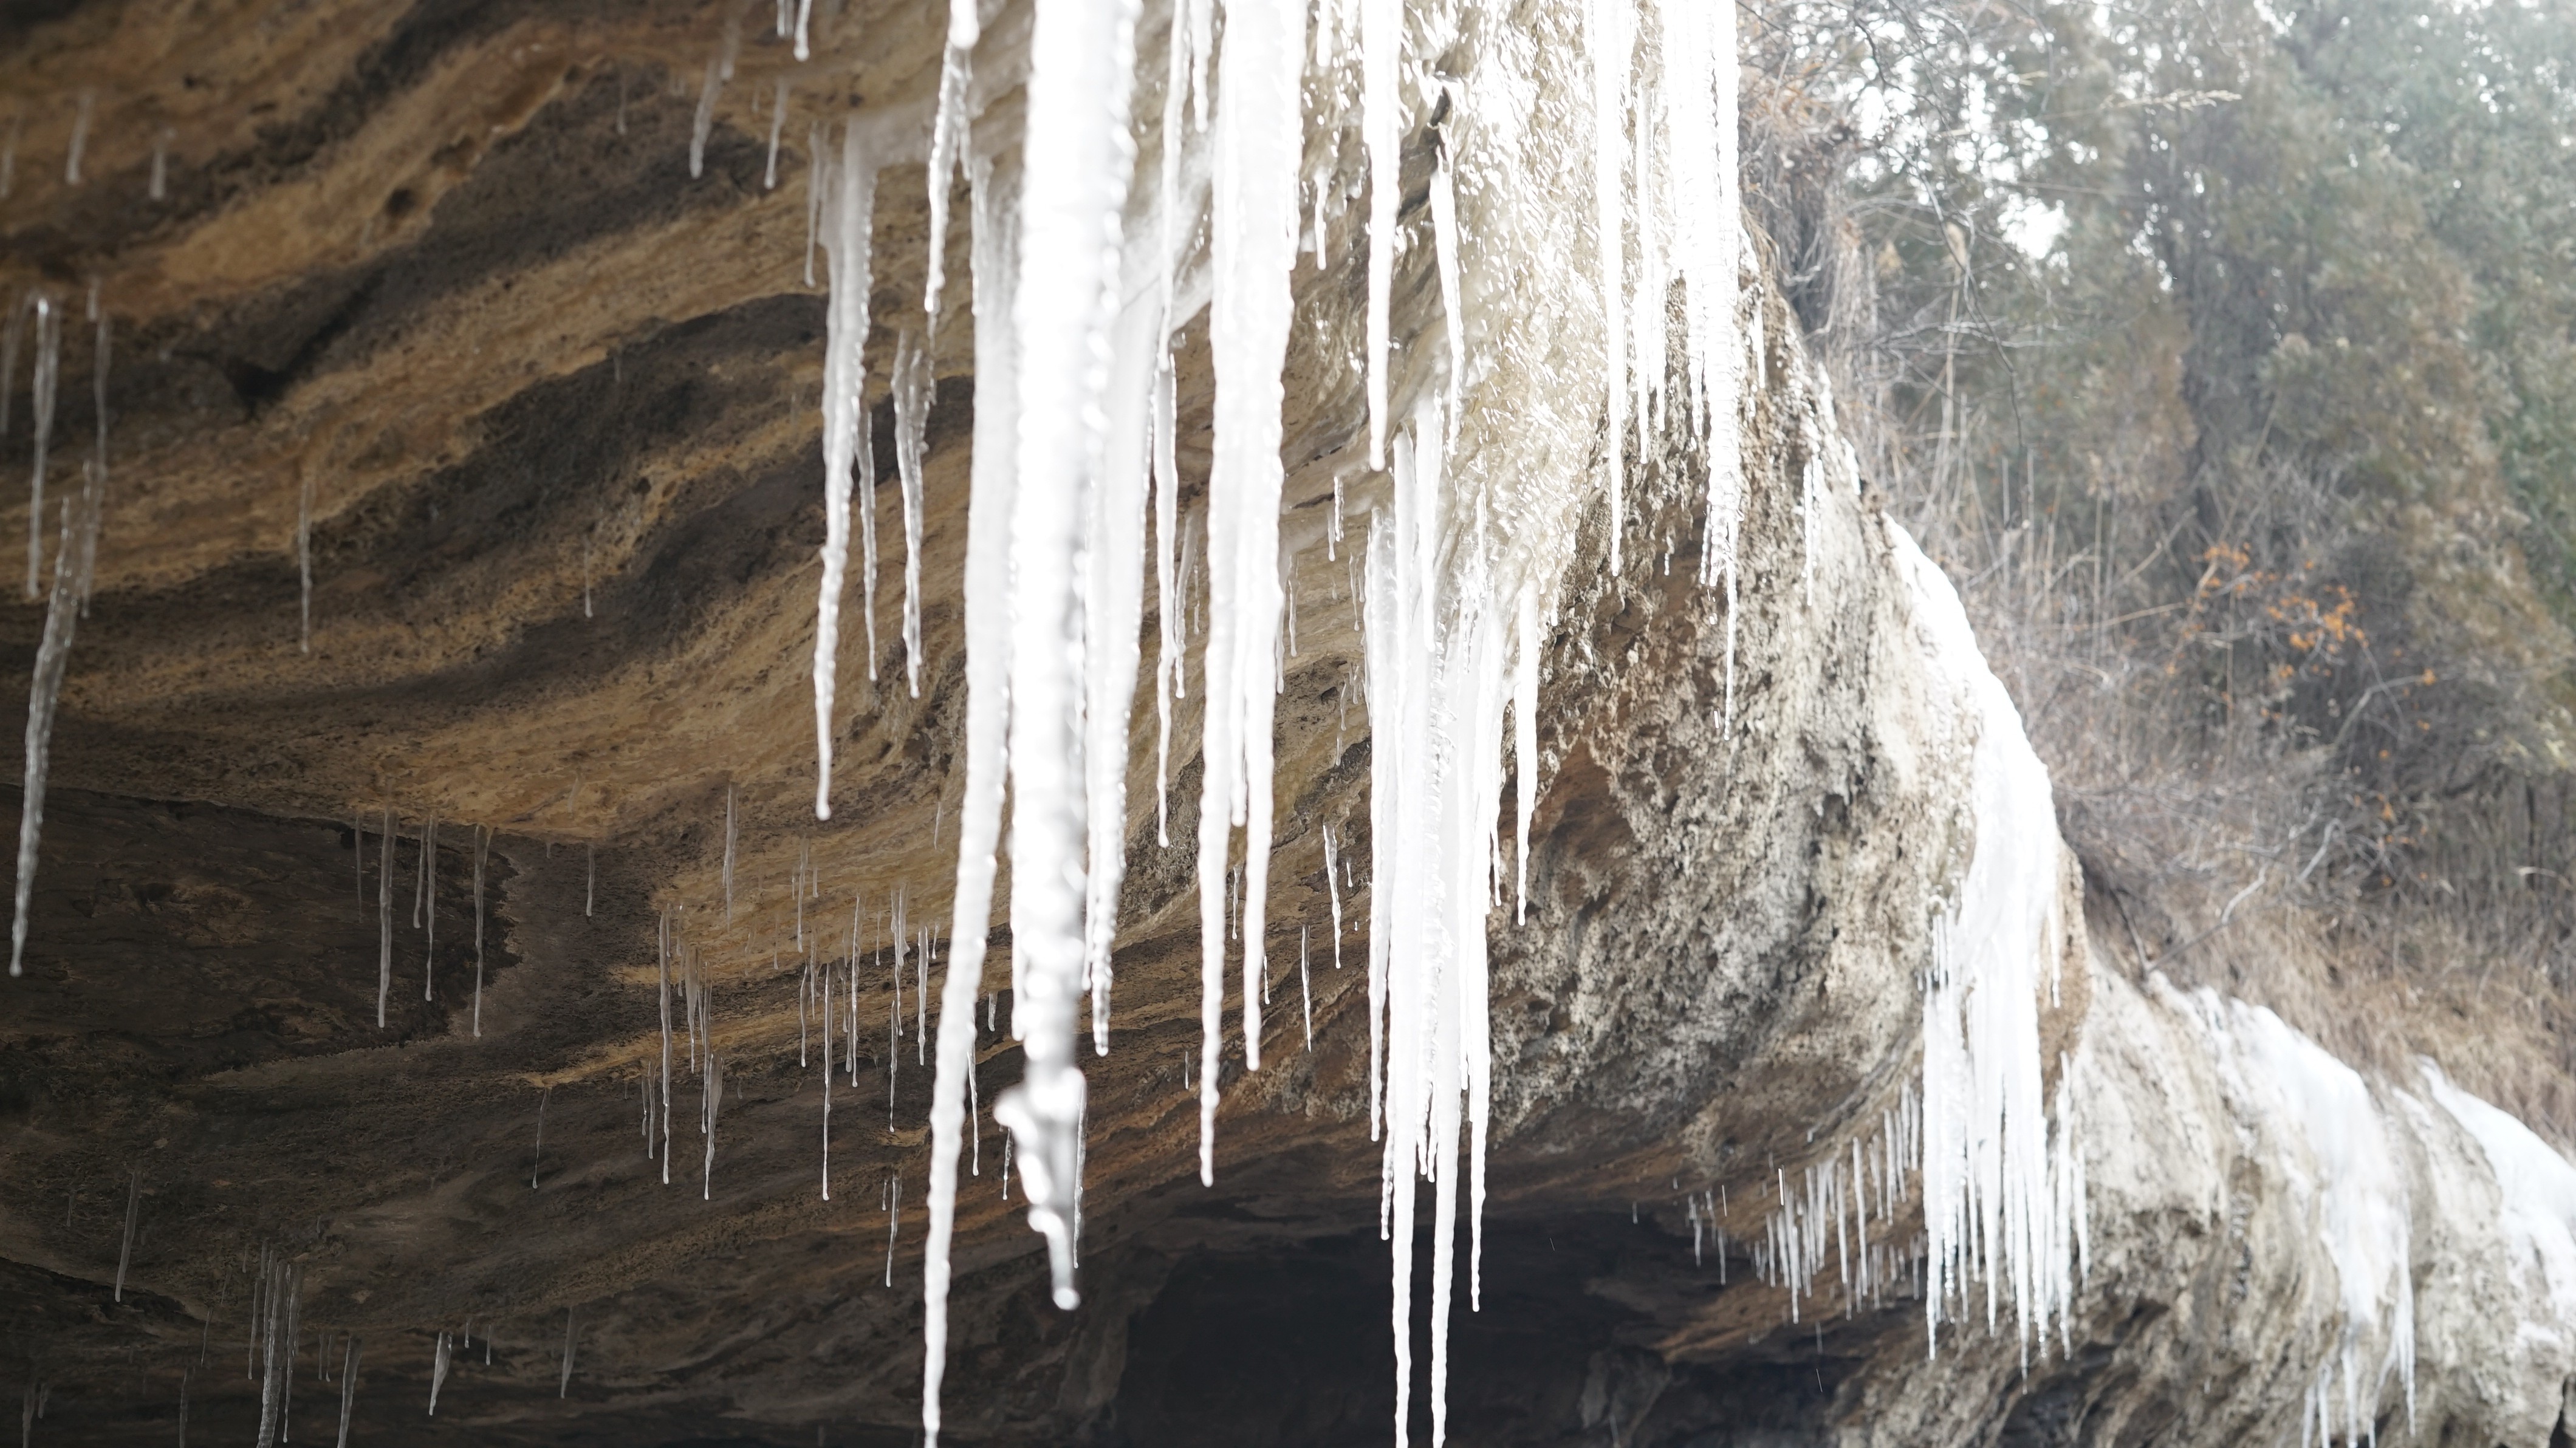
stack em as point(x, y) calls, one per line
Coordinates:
point(849, 205)
point(1611, 27)
point(1381, 50)
point(1259, 141)
point(75, 558)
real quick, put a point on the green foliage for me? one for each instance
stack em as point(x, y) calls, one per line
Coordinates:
point(2251, 327)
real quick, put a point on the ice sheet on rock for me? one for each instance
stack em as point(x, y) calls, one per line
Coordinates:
point(2000, 1208)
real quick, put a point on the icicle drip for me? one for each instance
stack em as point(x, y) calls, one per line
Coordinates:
point(439, 1364)
point(892, 1199)
point(728, 854)
point(1305, 988)
point(563, 1384)
point(537, 1158)
point(125, 1252)
point(1381, 132)
point(82, 110)
point(1995, 1205)
point(589, 878)
point(1437, 647)
point(75, 559)
point(719, 70)
point(348, 1389)
point(429, 910)
point(663, 969)
point(1699, 83)
point(1113, 548)
point(1444, 247)
point(804, 22)
point(777, 124)
point(385, 919)
point(1524, 747)
point(482, 854)
point(1333, 890)
point(49, 356)
point(912, 386)
point(947, 137)
point(1025, 615)
point(1078, 159)
point(850, 206)
point(714, 1091)
point(1258, 145)
point(815, 156)
point(13, 331)
point(1610, 35)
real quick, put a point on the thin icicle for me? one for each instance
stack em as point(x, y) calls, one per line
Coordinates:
point(777, 124)
point(83, 109)
point(1381, 130)
point(75, 559)
point(385, 919)
point(719, 70)
point(728, 854)
point(563, 1385)
point(1444, 246)
point(49, 352)
point(851, 208)
point(438, 1371)
point(429, 908)
point(1258, 144)
point(1305, 988)
point(1610, 31)
point(947, 137)
point(1524, 746)
point(125, 1253)
point(482, 852)
point(912, 387)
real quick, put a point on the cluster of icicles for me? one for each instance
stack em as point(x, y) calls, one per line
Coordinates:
point(1470, 490)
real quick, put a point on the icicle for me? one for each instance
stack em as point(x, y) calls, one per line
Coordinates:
point(1381, 131)
point(125, 1253)
point(482, 850)
point(385, 919)
point(827, 1081)
point(728, 854)
point(894, 1221)
point(1444, 246)
point(947, 135)
point(1524, 746)
point(429, 908)
point(1305, 988)
point(13, 331)
point(804, 15)
point(777, 124)
point(846, 241)
point(438, 1371)
point(719, 70)
point(1610, 27)
point(1169, 680)
point(1113, 544)
point(912, 386)
point(1333, 890)
point(83, 109)
point(159, 189)
point(348, 1388)
point(49, 348)
point(715, 1103)
point(75, 558)
point(994, 185)
point(589, 877)
point(663, 969)
point(1258, 145)
point(814, 187)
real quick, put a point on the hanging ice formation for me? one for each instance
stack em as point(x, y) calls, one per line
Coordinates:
point(1477, 469)
point(482, 853)
point(75, 561)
